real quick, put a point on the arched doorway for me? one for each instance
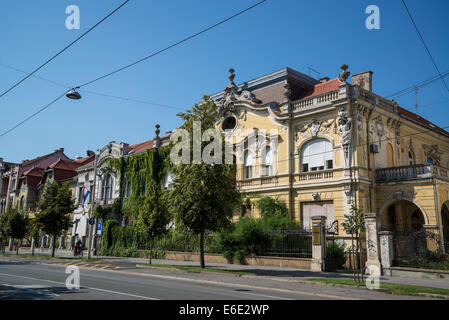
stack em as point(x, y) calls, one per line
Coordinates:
point(406, 221)
point(445, 223)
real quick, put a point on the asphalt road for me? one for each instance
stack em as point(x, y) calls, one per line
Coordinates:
point(37, 280)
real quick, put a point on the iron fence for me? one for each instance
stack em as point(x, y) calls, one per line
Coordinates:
point(410, 246)
point(288, 244)
point(282, 243)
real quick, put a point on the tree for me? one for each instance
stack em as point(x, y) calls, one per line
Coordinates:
point(354, 225)
point(153, 215)
point(15, 225)
point(55, 208)
point(271, 207)
point(203, 196)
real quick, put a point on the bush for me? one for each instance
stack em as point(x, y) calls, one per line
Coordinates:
point(253, 237)
point(337, 253)
point(271, 207)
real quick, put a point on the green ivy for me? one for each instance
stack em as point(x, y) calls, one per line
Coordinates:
point(138, 172)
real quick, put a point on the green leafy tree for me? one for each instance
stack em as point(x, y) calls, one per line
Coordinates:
point(14, 224)
point(55, 208)
point(204, 197)
point(154, 216)
point(271, 207)
point(354, 225)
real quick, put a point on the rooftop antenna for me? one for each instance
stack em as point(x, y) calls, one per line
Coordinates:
point(313, 70)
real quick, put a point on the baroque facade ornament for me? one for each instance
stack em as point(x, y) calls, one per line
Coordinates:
point(344, 75)
point(226, 106)
point(433, 151)
point(316, 127)
point(345, 133)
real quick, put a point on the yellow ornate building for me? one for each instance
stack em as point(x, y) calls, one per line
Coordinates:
point(321, 145)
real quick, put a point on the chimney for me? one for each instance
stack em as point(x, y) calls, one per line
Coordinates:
point(363, 80)
point(324, 79)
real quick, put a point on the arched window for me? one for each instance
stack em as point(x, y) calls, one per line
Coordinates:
point(248, 165)
point(107, 187)
point(411, 158)
point(22, 203)
point(316, 155)
point(268, 162)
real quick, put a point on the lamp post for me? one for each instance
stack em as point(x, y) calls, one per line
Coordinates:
point(92, 208)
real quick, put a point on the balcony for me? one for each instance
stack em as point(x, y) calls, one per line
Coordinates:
point(258, 182)
point(419, 171)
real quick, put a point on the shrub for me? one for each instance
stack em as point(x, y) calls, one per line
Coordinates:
point(253, 237)
point(337, 252)
point(271, 207)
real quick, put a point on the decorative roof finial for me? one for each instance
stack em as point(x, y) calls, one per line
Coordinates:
point(157, 139)
point(344, 75)
point(231, 77)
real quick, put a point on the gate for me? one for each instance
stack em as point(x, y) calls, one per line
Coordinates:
point(411, 244)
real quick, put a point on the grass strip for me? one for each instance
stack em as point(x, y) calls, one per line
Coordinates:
point(390, 288)
point(198, 269)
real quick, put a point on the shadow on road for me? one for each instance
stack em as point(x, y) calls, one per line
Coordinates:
point(33, 292)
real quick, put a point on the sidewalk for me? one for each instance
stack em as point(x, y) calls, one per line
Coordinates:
point(284, 274)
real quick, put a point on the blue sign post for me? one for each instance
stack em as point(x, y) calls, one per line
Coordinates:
point(99, 226)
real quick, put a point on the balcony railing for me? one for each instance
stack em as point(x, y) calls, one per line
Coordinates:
point(316, 175)
point(419, 171)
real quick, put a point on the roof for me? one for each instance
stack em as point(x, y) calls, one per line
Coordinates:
point(420, 120)
point(27, 162)
point(34, 176)
point(144, 146)
point(141, 147)
point(35, 172)
point(84, 161)
point(321, 88)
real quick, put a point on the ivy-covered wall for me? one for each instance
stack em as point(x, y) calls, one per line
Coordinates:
point(135, 174)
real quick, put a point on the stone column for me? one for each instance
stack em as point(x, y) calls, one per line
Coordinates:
point(11, 242)
point(32, 246)
point(318, 243)
point(386, 251)
point(372, 243)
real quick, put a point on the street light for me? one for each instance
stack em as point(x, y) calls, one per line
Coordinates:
point(73, 94)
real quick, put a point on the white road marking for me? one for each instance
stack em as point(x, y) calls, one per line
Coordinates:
point(96, 289)
point(297, 292)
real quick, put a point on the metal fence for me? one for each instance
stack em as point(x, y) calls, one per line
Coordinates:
point(283, 243)
point(409, 245)
point(288, 244)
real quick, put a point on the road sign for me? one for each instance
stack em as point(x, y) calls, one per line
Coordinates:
point(99, 226)
point(92, 221)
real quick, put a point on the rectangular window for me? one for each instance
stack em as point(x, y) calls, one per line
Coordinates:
point(318, 208)
point(248, 172)
point(329, 164)
point(305, 167)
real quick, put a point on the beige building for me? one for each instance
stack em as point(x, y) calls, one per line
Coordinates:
point(323, 145)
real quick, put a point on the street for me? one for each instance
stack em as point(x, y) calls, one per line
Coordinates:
point(23, 279)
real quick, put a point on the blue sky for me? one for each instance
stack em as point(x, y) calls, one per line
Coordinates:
point(280, 33)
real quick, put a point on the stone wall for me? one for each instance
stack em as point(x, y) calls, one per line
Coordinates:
point(296, 263)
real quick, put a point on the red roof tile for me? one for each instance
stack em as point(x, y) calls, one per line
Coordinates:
point(141, 147)
point(414, 117)
point(321, 88)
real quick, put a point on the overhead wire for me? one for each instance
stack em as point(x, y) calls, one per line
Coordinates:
point(64, 49)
